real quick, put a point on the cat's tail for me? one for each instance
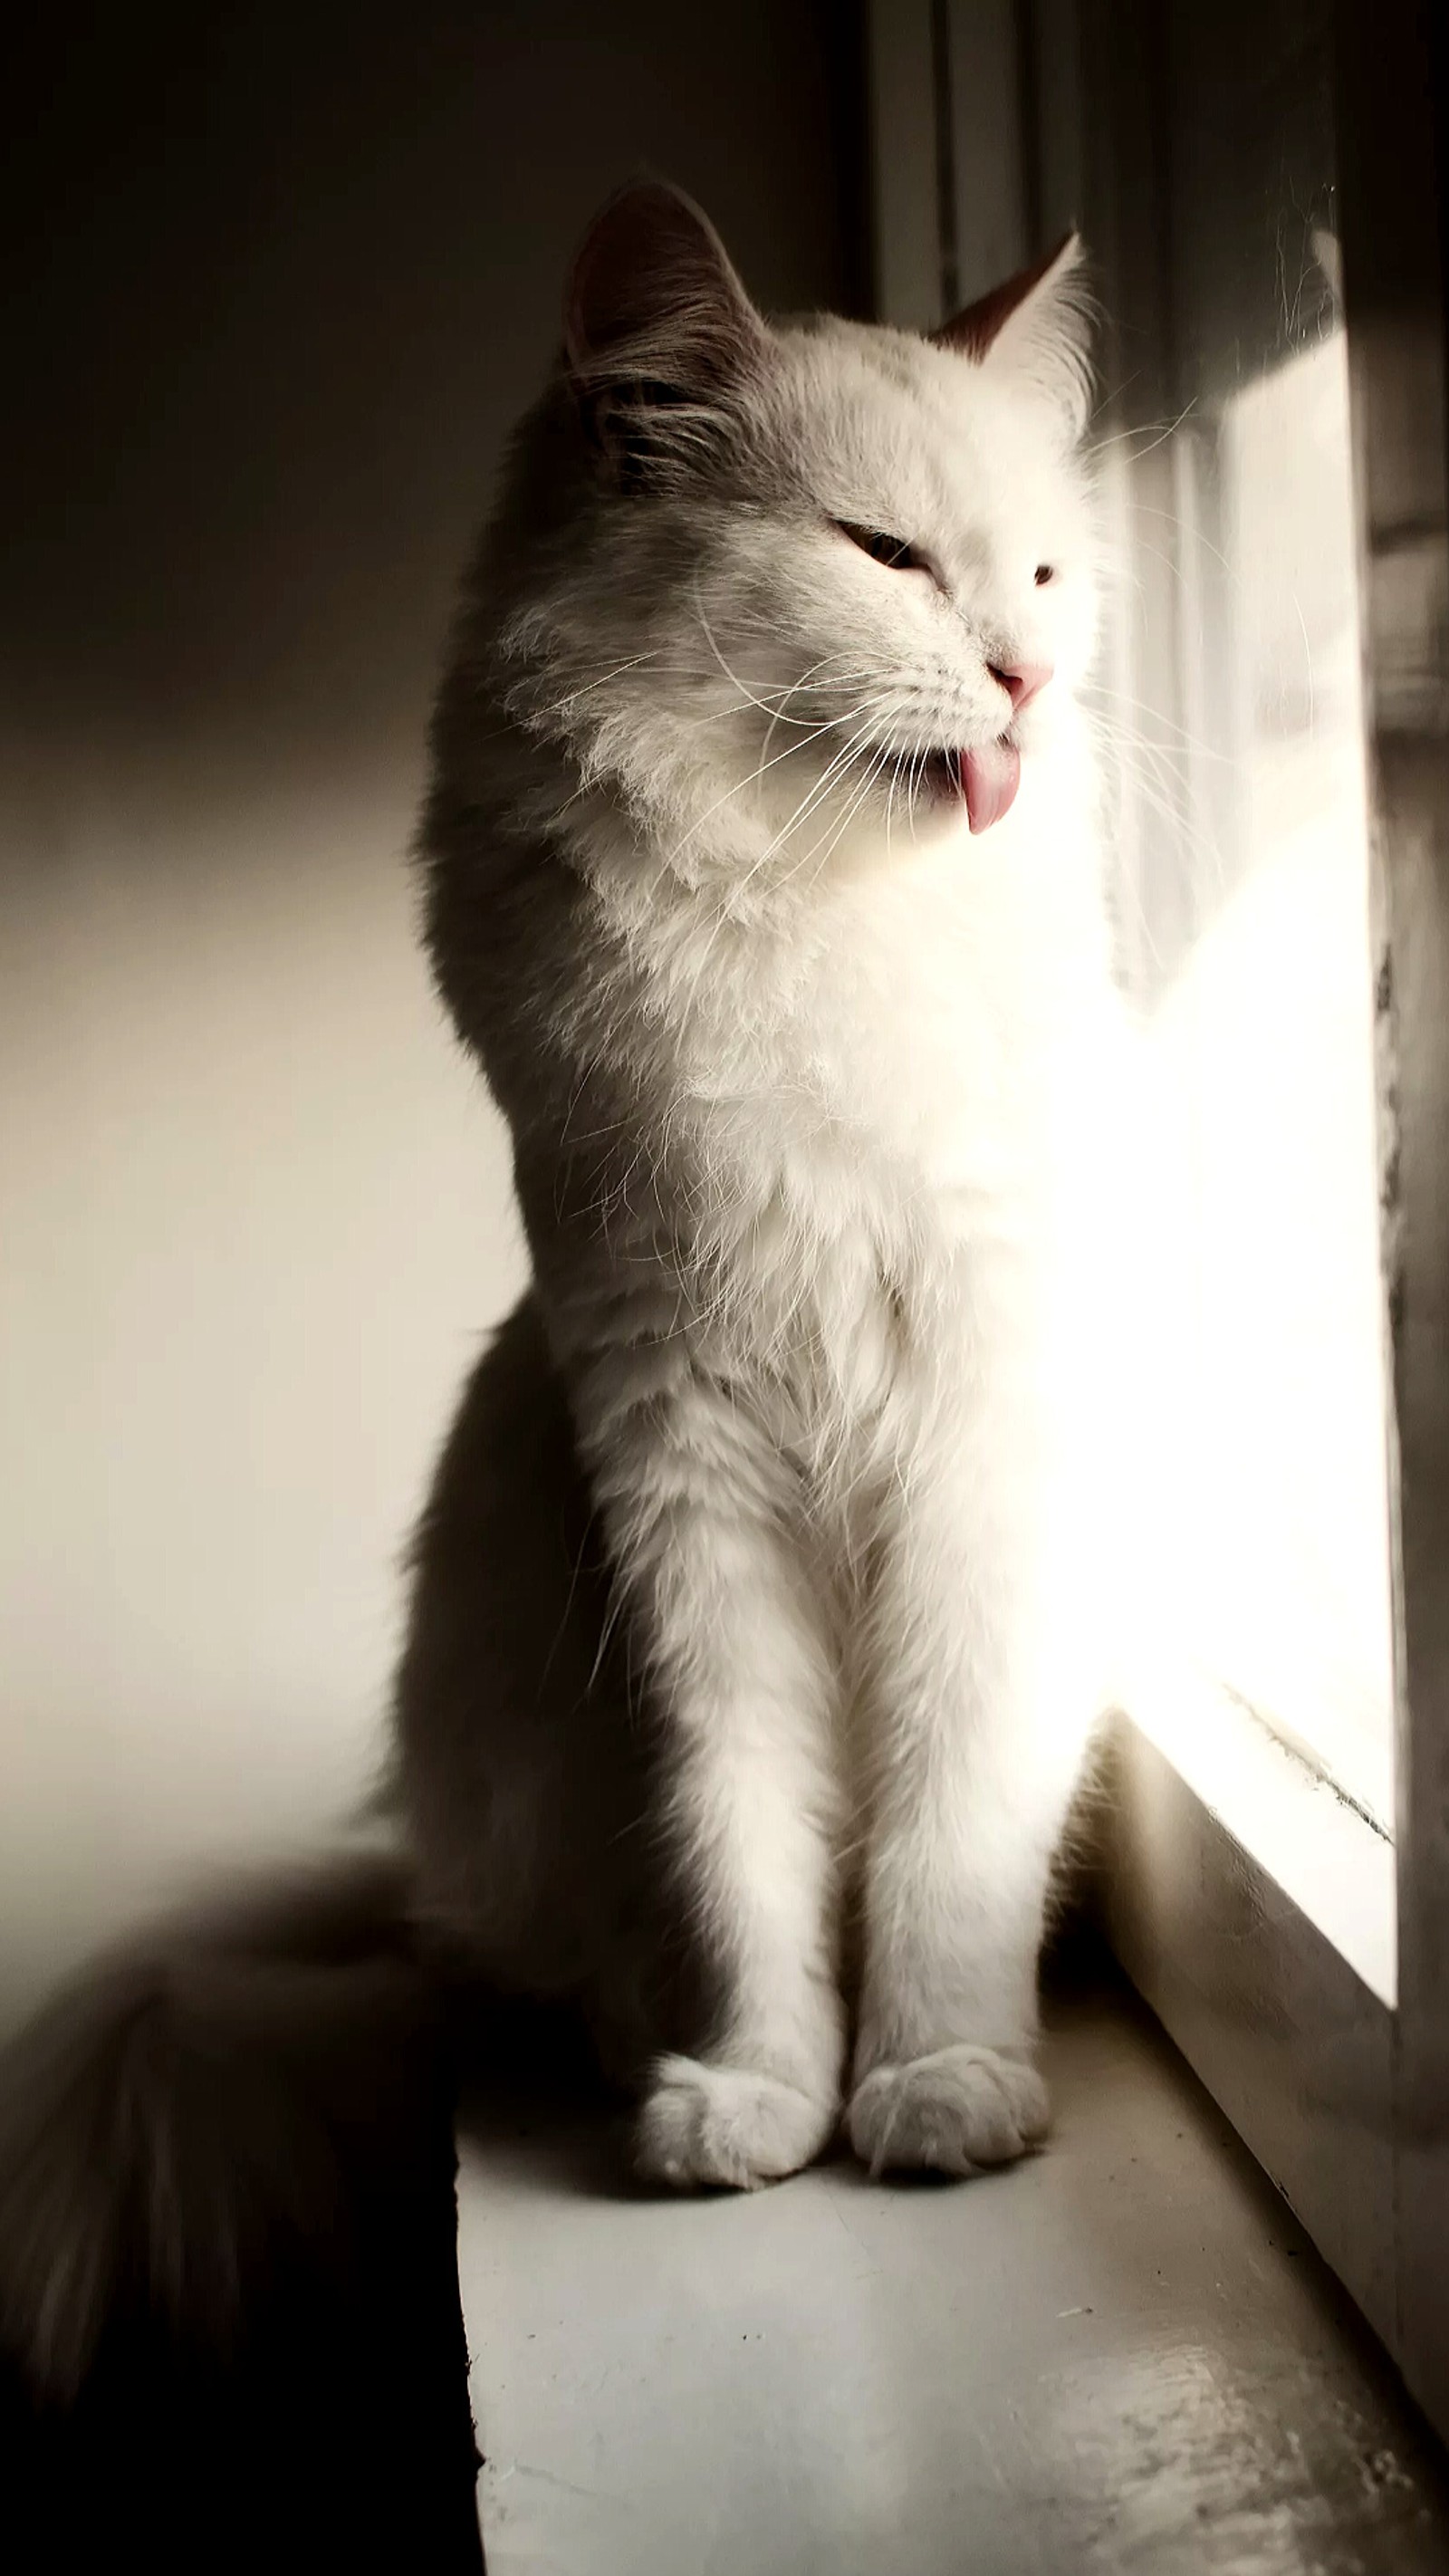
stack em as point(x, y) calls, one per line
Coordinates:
point(175, 2124)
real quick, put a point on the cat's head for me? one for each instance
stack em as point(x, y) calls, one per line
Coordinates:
point(824, 583)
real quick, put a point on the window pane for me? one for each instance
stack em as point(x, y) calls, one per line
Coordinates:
point(1232, 702)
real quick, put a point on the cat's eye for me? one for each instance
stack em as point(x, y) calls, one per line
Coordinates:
point(1044, 574)
point(894, 552)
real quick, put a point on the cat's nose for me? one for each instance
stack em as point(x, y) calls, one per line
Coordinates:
point(1022, 681)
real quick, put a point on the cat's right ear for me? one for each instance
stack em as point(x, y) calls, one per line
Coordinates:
point(658, 330)
point(1037, 327)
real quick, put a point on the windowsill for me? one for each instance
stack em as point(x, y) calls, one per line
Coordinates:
point(1121, 2354)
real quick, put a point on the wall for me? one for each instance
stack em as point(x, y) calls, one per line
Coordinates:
point(281, 283)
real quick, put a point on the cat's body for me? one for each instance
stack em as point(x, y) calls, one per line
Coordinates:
point(761, 1609)
point(811, 1096)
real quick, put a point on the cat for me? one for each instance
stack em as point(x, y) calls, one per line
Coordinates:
point(762, 881)
point(759, 1610)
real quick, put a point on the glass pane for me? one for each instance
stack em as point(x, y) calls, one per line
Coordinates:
point(1232, 703)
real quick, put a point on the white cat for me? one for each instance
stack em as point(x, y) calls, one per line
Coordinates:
point(763, 880)
point(761, 1604)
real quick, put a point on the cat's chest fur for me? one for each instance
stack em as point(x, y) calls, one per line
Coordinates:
point(865, 1095)
point(918, 1043)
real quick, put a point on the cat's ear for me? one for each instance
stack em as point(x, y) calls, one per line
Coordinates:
point(658, 330)
point(1038, 327)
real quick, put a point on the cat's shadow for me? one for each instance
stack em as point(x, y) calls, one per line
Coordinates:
point(560, 2128)
point(532, 2103)
point(533, 2106)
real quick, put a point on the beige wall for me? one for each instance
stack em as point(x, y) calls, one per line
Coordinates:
point(254, 1210)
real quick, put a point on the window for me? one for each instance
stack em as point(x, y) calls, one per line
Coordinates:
point(1256, 186)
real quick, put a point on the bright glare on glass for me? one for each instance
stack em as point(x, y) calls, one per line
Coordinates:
point(1248, 806)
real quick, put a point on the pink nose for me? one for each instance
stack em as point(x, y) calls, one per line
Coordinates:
point(1022, 681)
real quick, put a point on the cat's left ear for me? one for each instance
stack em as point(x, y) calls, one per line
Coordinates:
point(1036, 326)
point(658, 331)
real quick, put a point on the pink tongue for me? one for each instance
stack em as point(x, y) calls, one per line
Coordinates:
point(989, 781)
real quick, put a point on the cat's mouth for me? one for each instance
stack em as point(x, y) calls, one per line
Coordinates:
point(984, 779)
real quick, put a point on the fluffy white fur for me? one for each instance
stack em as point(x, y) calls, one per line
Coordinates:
point(834, 1313)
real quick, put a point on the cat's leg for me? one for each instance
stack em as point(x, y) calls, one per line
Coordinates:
point(975, 1706)
point(701, 1516)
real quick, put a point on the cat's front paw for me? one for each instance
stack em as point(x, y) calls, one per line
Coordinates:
point(725, 2126)
point(956, 2110)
